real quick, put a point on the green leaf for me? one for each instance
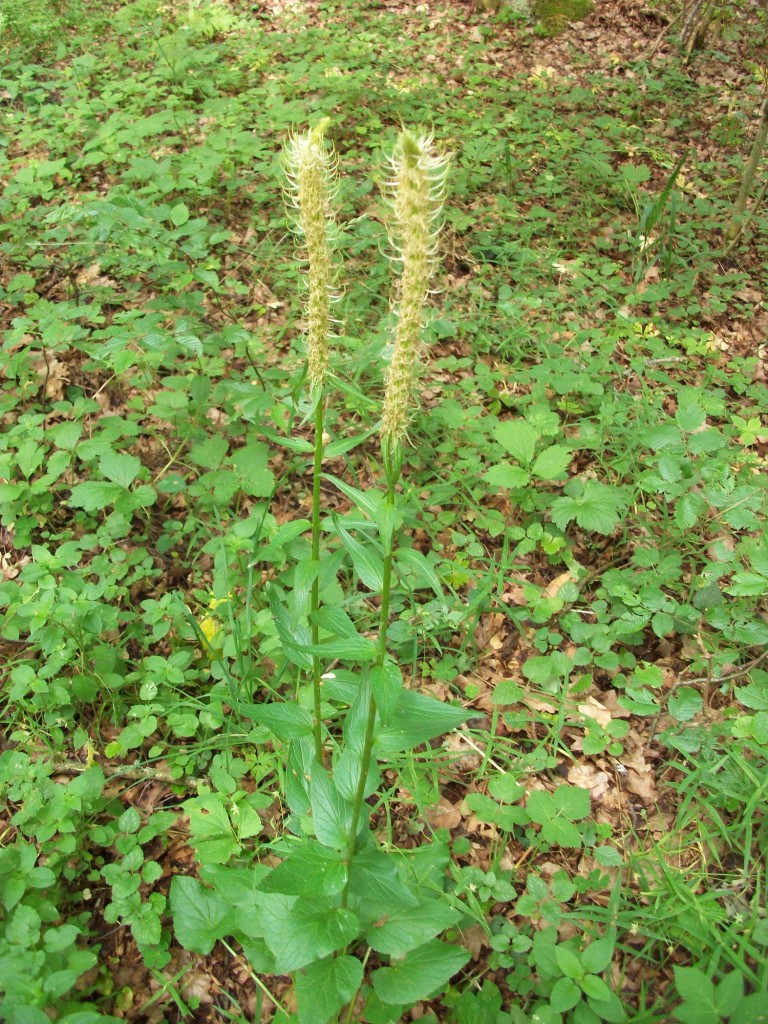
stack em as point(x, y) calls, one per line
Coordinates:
point(698, 993)
point(312, 870)
point(607, 857)
point(595, 988)
point(211, 452)
point(421, 568)
point(596, 509)
point(751, 1010)
point(212, 835)
point(287, 721)
point(374, 878)
point(295, 639)
point(729, 992)
point(565, 994)
point(416, 720)
point(685, 703)
point(331, 813)
point(200, 916)
point(504, 474)
point(552, 463)
point(568, 963)
point(367, 501)
point(300, 931)
point(689, 416)
point(120, 468)
point(324, 987)
point(425, 971)
point(95, 495)
point(386, 686)
point(754, 696)
point(406, 928)
point(179, 215)
point(367, 561)
point(518, 438)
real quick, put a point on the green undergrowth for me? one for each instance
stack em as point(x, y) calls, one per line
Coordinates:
point(582, 560)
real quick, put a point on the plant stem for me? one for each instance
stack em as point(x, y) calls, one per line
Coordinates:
point(367, 751)
point(315, 598)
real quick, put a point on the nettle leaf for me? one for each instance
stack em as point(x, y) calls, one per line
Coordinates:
point(324, 987)
point(518, 438)
point(596, 508)
point(425, 971)
point(200, 916)
point(299, 931)
point(95, 495)
point(120, 468)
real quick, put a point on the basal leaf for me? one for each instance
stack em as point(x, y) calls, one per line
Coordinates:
point(324, 987)
point(300, 931)
point(423, 973)
point(200, 916)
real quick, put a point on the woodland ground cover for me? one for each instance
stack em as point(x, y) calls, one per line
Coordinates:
point(582, 556)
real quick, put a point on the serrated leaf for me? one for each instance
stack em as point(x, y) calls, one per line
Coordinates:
point(200, 916)
point(120, 468)
point(552, 463)
point(696, 989)
point(209, 453)
point(754, 696)
point(179, 215)
point(95, 495)
point(685, 703)
point(426, 970)
point(323, 988)
point(518, 438)
point(504, 474)
point(596, 509)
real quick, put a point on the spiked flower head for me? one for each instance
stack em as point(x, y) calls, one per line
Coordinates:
point(415, 192)
point(310, 168)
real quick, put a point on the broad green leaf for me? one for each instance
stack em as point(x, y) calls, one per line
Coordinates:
point(751, 1009)
point(689, 416)
point(212, 835)
point(565, 994)
point(506, 788)
point(698, 993)
point(179, 215)
point(596, 509)
point(424, 972)
point(211, 452)
point(311, 870)
point(324, 987)
point(287, 721)
point(200, 916)
point(300, 931)
point(488, 810)
point(331, 812)
point(729, 992)
point(95, 495)
point(595, 988)
point(504, 474)
point(568, 963)
point(552, 463)
point(416, 720)
point(685, 703)
point(120, 468)
point(251, 465)
point(406, 928)
point(374, 878)
point(518, 438)
point(754, 696)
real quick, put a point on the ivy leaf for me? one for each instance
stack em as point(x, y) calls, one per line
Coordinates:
point(425, 971)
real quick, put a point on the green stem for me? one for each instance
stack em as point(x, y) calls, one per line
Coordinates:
point(315, 599)
point(367, 751)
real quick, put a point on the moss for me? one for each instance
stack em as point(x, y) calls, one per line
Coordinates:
point(554, 16)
